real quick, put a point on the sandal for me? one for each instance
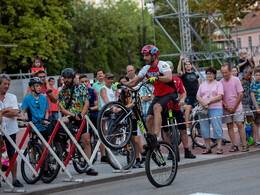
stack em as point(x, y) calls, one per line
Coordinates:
point(207, 151)
point(220, 151)
point(234, 148)
point(245, 148)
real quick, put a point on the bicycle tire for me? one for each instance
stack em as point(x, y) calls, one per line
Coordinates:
point(197, 139)
point(33, 153)
point(53, 165)
point(119, 125)
point(78, 161)
point(125, 156)
point(174, 142)
point(157, 160)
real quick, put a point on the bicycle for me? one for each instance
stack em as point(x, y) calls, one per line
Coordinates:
point(169, 120)
point(196, 134)
point(115, 131)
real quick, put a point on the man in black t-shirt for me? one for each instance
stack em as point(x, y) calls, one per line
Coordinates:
point(191, 83)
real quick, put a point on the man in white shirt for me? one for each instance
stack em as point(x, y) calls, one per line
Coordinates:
point(9, 107)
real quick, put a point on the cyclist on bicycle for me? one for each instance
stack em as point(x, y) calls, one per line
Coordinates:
point(160, 75)
point(74, 104)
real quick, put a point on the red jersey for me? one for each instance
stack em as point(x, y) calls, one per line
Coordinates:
point(160, 88)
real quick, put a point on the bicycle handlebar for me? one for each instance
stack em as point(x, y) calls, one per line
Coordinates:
point(134, 90)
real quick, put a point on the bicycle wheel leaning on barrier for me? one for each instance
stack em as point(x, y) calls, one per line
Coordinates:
point(53, 165)
point(197, 139)
point(115, 121)
point(125, 156)
point(160, 169)
point(33, 153)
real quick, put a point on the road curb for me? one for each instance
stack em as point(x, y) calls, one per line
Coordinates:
point(142, 173)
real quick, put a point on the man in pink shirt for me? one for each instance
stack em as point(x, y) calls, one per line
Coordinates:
point(233, 94)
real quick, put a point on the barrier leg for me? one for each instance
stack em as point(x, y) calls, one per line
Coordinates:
point(17, 151)
point(121, 170)
point(53, 153)
point(13, 189)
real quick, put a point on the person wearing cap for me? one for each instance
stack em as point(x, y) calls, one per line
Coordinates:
point(73, 103)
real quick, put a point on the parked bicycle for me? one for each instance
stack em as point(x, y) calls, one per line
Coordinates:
point(115, 131)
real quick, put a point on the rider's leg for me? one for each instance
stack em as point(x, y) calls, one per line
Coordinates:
point(150, 123)
point(157, 110)
point(86, 144)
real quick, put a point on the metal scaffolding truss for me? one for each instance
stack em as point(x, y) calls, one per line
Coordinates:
point(182, 13)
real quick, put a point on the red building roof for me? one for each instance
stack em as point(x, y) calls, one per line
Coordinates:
point(251, 21)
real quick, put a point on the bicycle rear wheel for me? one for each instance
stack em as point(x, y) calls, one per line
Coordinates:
point(114, 121)
point(32, 153)
point(160, 169)
point(53, 165)
point(174, 141)
point(125, 156)
point(197, 139)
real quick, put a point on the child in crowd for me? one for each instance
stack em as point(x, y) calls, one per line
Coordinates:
point(255, 96)
point(37, 105)
point(126, 98)
point(243, 62)
point(60, 83)
point(36, 66)
point(234, 71)
point(246, 81)
point(54, 109)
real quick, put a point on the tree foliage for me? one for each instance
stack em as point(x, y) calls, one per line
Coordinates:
point(231, 9)
point(37, 27)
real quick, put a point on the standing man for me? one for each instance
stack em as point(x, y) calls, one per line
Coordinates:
point(233, 94)
point(74, 104)
point(9, 107)
point(160, 75)
point(137, 139)
point(191, 83)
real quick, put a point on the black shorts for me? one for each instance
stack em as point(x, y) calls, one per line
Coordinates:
point(134, 127)
point(9, 147)
point(163, 101)
point(94, 121)
point(77, 123)
point(179, 118)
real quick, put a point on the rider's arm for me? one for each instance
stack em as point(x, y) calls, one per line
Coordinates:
point(66, 112)
point(23, 114)
point(133, 82)
point(166, 78)
point(180, 73)
point(46, 116)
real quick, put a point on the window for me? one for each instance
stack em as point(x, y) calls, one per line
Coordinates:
point(239, 43)
point(249, 41)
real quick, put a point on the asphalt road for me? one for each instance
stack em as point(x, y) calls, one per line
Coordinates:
point(238, 176)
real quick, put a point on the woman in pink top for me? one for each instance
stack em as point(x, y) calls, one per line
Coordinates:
point(214, 105)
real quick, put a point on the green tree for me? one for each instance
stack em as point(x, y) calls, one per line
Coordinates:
point(37, 27)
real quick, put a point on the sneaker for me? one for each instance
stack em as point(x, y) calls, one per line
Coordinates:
point(104, 159)
point(17, 183)
point(91, 171)
point(136, 165)
point(257, 143)
point(142, 164)
point(189, 155)
point(188, 130)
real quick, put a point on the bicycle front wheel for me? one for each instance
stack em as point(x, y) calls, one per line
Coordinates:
point(197, 139)
point(125, 156)
point(33, 154)
point(161, 165)
point(115, 125)
point(78, 161)
point(53, 165)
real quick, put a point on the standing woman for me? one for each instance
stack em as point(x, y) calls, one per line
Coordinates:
point(60, 83)
point(234, 71)
point(210, 97)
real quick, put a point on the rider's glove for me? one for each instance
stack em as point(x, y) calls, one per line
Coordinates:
point(153, 79)
point(118, 84)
